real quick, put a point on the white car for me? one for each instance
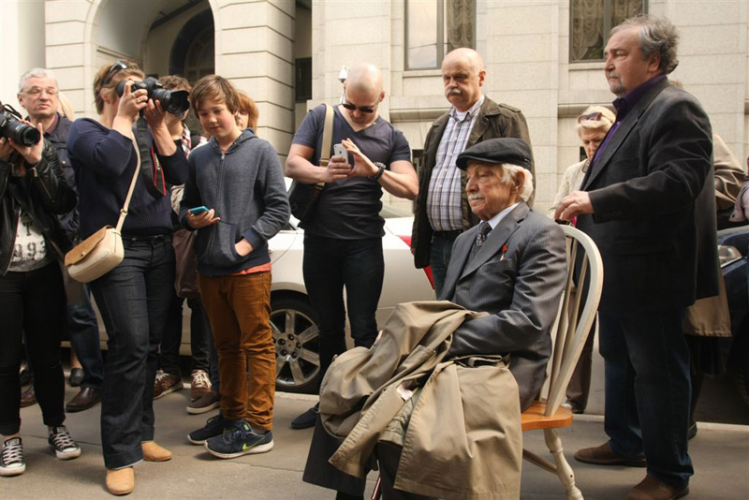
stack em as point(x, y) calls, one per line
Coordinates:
point(292, 316)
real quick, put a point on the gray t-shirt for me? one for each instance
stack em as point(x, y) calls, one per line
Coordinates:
point(349, 209)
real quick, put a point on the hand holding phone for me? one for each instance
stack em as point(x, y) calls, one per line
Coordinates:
point(198, 210)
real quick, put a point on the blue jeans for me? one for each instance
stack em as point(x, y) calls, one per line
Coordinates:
point(439, 259)
point(134, 300)
point(329, 266)
point(648, 390)
point(200, 332)
point(84, 338)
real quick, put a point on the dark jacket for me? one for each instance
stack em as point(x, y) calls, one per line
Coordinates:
point(59, 140)
point(494, 121)
point(42, 193)
point(653, 197)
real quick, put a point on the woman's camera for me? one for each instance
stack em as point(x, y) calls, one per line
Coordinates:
point(173, 101)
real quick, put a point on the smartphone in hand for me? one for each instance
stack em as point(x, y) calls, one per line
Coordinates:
point(339, 150)
point(198, 210)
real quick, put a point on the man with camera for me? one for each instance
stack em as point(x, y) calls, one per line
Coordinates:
point(39, 96)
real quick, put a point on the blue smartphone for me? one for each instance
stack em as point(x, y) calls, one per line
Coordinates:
point(198, 210)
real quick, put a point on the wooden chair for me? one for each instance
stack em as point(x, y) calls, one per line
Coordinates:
point(570, 333)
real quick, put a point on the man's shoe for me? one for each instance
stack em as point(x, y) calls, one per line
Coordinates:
point(11, 458)
point(204, 404)
point(153, 452)
point(166, 383)
point(60, 441)
point(28, 396)
point(306, 419)
point(76, 377)
point(215, 426)
point(121, 481)
point(241, 440)
point(200, 384)
point(651, 488)
point(85, 399)
point(573, 407)
point(604, 455)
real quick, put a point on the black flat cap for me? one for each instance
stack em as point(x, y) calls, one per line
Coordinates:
point(504, 150)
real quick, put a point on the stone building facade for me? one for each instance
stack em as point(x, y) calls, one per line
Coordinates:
point(288, 56)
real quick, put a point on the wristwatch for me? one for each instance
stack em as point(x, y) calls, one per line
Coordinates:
point(380, 171)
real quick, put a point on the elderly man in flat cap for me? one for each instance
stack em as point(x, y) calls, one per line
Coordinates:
point(511, 266)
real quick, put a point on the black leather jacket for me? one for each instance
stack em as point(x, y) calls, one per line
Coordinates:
point(42, 193)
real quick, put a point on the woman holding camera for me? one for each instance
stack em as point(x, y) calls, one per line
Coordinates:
point(32, 298)
point(134, 297)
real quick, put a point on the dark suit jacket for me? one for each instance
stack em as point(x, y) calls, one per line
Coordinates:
point(652, 192)
point(517, 277)
point(493, 121)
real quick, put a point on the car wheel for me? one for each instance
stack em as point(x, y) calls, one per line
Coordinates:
point(296, 336)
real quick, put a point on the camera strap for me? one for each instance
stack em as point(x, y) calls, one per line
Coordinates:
point(150, 165)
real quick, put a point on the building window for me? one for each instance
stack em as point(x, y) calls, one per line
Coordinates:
point(303, 79)
point(591, 21)
point(434, 28)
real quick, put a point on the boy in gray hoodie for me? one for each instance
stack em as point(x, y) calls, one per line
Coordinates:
point(235, 196)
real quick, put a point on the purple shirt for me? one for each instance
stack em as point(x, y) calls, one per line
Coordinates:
point(623, 106)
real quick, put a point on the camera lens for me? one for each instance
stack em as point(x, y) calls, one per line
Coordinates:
point(19, 132)
point(173, 101)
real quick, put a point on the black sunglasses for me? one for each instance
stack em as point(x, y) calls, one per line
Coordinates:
point(363, 109)
point(116, 68)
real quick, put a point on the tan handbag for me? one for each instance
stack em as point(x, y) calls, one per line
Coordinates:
point(102, 251)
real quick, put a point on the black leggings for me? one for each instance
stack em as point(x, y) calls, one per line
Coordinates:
point(34, 303)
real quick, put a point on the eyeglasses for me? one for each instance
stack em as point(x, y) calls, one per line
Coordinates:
point(37, 91)
point(362, 109)
point(590, 116)
point(116, 68)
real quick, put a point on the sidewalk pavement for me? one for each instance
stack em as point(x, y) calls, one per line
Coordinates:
point(720, 453)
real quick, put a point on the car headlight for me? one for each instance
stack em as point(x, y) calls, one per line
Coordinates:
point(728, 255)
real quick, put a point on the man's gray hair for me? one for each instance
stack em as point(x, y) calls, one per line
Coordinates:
point(657, 36)
point(36, 73)
point(510, 173)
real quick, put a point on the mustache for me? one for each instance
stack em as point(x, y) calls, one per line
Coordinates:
point(450, 92)
point(472, 197)
point(612, 74)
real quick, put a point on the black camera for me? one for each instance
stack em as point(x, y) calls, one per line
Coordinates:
point(173, 101)
point(12, 128)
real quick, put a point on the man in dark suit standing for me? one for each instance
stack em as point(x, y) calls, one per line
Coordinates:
point(441, 211)
point(644, 205)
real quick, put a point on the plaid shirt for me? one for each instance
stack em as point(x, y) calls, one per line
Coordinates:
point(445, 189)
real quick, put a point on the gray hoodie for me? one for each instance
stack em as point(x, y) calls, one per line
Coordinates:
point(246, 188)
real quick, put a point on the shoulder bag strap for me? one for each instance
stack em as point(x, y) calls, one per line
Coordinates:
point(327, 136)
point(123, 210)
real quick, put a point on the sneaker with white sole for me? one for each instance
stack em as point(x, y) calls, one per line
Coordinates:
point(241, 440)
point(11, 459)
point(166, 383)
point(64, 446)
point(200, 384)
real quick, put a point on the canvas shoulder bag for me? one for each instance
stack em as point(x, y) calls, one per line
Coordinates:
point(102, 251)
point(302, 197)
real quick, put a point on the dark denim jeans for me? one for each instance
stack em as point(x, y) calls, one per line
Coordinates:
point(647, 390)
point(439, 258)
point(200, 332)
point(330, 265)
point(84, 338)
point(32, 303)
point(134, 300)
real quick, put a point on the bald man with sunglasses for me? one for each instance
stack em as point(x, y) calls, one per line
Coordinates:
point(343, 234)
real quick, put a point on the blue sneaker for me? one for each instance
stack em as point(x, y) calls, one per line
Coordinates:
point(215, 426)
point(241, 440)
